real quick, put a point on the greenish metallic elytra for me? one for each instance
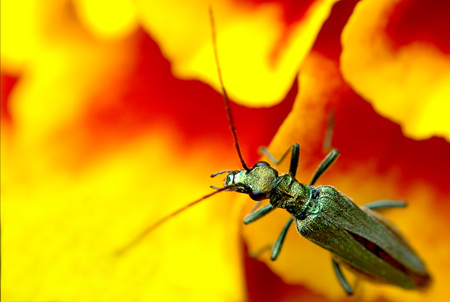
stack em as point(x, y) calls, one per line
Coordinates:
point(358, 238)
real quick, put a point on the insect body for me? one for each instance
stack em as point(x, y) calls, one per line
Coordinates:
point(358, 237)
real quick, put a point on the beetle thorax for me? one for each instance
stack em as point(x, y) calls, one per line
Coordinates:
point(291, 195)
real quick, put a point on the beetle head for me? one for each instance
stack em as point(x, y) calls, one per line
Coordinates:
point(257, 182)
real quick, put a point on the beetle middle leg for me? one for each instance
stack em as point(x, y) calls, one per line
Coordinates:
point(341, 278)
point(324, 165)
point(276, 249)
point(295, 149)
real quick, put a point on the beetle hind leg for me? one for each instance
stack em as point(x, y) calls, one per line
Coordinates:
point(385, 204)
point(341, 278)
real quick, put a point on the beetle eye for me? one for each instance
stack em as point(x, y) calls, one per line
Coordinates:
point(257, 195)
point(261, 164)
point(230, 179)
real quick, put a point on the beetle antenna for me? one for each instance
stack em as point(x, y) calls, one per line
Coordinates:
point(224, 93)
point(157, 224)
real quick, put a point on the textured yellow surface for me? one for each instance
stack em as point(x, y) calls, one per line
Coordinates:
point(408, 83)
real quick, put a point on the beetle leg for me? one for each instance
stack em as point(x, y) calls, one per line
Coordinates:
point(324, 165)
point(329, 133)
point(341, 278)
point(295, 155)
point(259, 252)
point(277, 245)
point(255, 215)
point(295, 148)
point(385, 203)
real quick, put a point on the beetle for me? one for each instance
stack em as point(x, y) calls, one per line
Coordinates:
point(358, 238)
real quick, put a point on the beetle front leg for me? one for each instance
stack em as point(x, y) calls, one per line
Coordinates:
point(341, 278)
point(255, 215)
point(295, 148)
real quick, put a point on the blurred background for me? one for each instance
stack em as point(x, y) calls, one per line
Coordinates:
point(112, 118)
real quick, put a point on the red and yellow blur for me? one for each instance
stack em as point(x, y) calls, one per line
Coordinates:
point(112, 118)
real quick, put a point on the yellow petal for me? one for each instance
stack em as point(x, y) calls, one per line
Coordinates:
point(108, 19)
point(20, 33)
point(259, 53)
point(395, 56)
point(87, 163)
